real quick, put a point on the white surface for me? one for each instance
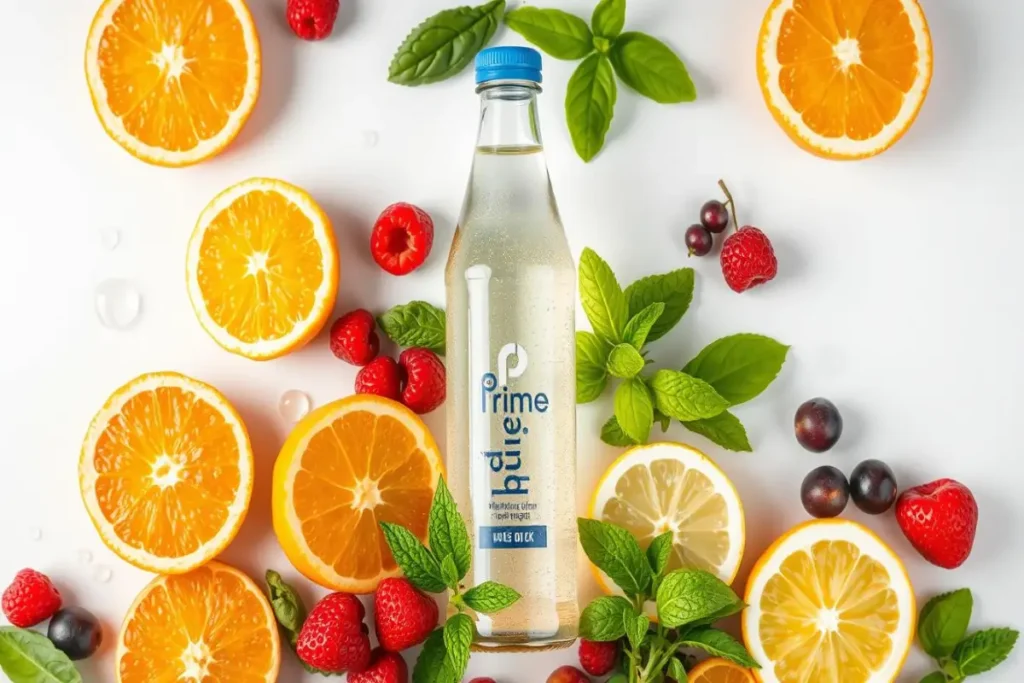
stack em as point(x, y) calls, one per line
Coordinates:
point(898, 288)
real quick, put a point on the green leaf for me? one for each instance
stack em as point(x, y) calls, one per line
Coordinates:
point(651, 68)
point(416, 323)
point(30, 657)
point(639, 326)
point(415, 561)
point(659, 552)
point(724, 429)
point(719, 644)
point(663, 420)
point(433, 665)
point(447, 530)
point(684, 397)
point(602, 620)
point(634, 408)
point(590, 105)
point(591, 367)
point(674, 289)
point(490, 597)
point(612, 434)
point(944, 621)
point(636, 626)
point(560, 34)
point(934, 677)
point(602, 297)
point(984, 650)
point(625, 361)
point(676, 670)
point(740, 366)
point(614, 551)
point(445, 44)
point(288, 608)
point(449, 572)
point(458, 636)
point(609, 18)
point(689, 595)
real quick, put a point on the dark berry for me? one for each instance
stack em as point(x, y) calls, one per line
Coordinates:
point(873, 487)
point(714, 216)
point(818, 425)
point(75, 632)
point(698, 240)
point(825, 492)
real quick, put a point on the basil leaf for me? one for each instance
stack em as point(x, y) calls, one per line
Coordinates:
point(415, 561)
point(625, 361)
point(663, 420)
point(984, 650)
point(490, 597)
point(944, 621)
point(684, 397)
point(416, 323)
point(612, 434)
point(447, 530)
point(689, 595)
point(458, 636)
point(636, 626)
point(433, 664)
point(602, 620)
point(634, 408)
point(30, 657)
point(445, 44)
point(724, 429)
point(591, 367)
point(602, 297)
point(659, 552)
point(651, 68)
point(609, 18)
point(740, 366)
point(560, 34)
point(615, 552)
point(719, 644)
point(590, 105)
point(639, 326)
point(674, 289)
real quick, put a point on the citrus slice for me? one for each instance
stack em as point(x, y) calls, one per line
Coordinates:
point(262, 268)
point(719, 670)
point(673, 487)
point(166, 472)
point(174, 81)
point(829, 601)
point(844, 78)
point(212, 625)
point(347, 467)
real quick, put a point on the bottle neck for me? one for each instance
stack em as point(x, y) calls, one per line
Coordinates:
point(508, 116)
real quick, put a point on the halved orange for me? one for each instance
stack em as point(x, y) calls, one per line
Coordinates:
point(718, 670)
point(262, 268)
point(166, 472)
point(173, 81)
point(345, 468)
point(845, 78)
point(212, 625)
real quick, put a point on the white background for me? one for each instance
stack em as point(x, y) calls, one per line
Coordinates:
point(898, 286)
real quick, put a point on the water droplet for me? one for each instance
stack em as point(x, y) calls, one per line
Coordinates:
point(294, 405)
point(110, 238)
point(370, 138)
point(118, 303)
point(103, 574)
point(35, 533)
point(85, 556)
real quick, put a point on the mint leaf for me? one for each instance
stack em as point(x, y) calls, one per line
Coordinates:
point(674, 289)
point(651, 68)
point(415, 561)
point(30, 657)
point(591, 367)
point(634, 408)
point(689, 595)
point(615, 552)
point(490, 597)
point(625, 361)
point(984, 650)
point(458, 636)
point(609, 18)
point(589, 107)
point(433, 665)
point(719, 644)
point(639, 326)
point(612, 434)
point(740, 366)
point(449, 572)
point(659, 552)
point(685, 398)
point(416, 323)
point(560, 34)
point(944, 621)
point(602, 297)
point(636, 626)
point(447, 531)
point(935, 677)
point(724, 429)
point(676, 670)
point(602, 620)
point(663, 420)
point(445, 44)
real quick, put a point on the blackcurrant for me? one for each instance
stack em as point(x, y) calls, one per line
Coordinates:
point(873, 487)
point(825, 492)
point(698, 240)
point(714, 216)
point(75, 632)
point(818, 425)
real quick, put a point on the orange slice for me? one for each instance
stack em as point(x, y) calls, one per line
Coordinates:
point(166, 472)
point(719, 670)
point(262, 268)
point(845, 78)
point(212, 625)
point(345, 468)
point(173, 81)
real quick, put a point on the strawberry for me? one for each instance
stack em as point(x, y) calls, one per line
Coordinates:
point(424, 380)
point(567, 674)
point(31, 598)
point(402, 238)
point(354, 337)
point(940, 520)
point(597, 659)
point(385, 667)
point(334, 637)
point(748, 259)
point(382, 377)
point(403, 615)
point(312, 19)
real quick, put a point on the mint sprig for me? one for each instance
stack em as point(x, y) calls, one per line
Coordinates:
point(942, 633)
point(727, 372)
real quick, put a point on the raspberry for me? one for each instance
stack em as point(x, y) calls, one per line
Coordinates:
point(402, 238)
point(748, 259)
point(30, 599)
point(354, 338)
point(312, 19)
point(425, 380)
point(597, 659)
point(382, 377)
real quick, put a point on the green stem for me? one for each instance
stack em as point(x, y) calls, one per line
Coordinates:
point(730, 205)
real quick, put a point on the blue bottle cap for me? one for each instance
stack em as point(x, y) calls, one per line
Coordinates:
point(508, 64)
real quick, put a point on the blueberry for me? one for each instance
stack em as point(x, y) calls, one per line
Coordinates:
point(76, 632)
point(818, 425)
point(825, 492)
point(873, 487)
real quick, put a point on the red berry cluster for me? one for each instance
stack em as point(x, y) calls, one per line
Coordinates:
point(32, 599)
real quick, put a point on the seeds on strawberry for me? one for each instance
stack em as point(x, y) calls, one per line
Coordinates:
point(940, 520)
point(334, 637)
point(312, 19)
point(30, 599)
point(381, 376)
point(354, 337)
point(403, 616)
point(424, 380)
point(385, 667)
point(402, 238)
